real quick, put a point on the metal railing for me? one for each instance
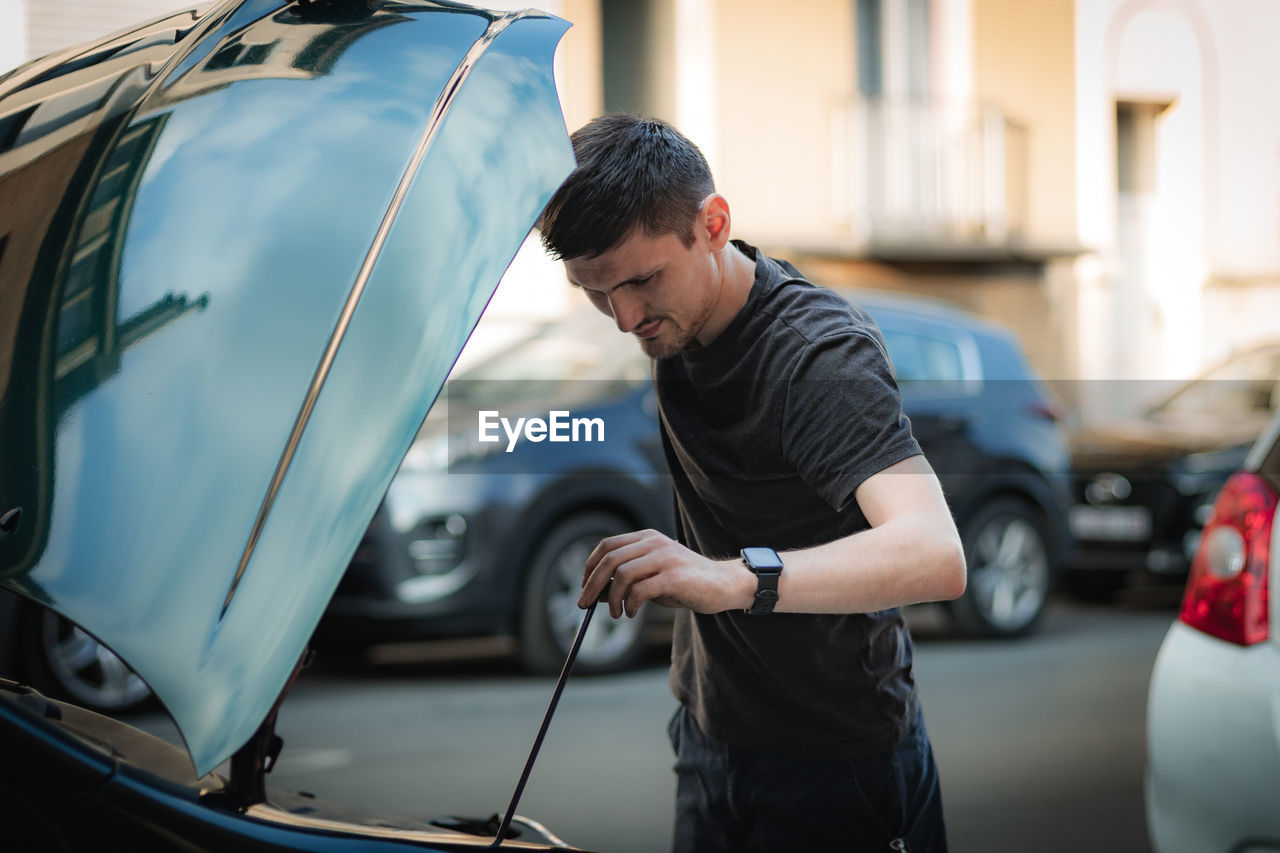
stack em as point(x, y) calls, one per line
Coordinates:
point(920, 170)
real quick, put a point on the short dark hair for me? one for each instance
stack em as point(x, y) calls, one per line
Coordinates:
point(632, 173)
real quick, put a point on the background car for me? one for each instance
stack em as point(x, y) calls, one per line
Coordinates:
point(992, 432)
point(1213, 747)
point(1143, 489)
point(475, 540)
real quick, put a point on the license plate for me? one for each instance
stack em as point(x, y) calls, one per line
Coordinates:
point(1111, 523)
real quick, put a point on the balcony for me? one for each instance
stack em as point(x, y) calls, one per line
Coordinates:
point(929, 177)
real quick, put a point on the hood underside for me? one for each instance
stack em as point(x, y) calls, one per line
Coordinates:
point(239, 253)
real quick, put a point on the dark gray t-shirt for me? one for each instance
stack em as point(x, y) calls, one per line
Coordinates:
point(768, 431)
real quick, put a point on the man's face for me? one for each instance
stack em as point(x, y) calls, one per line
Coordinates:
point(655, 288)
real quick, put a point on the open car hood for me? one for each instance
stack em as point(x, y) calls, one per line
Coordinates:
point(239, 253)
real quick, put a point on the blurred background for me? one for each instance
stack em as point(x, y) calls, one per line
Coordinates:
point(1099, 177)
point(1102, 176)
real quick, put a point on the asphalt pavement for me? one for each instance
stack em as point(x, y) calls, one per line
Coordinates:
point(1039, 741)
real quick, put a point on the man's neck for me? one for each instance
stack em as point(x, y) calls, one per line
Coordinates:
point(737, 274)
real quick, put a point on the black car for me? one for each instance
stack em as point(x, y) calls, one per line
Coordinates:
point(1143, 489)
point(491, 539)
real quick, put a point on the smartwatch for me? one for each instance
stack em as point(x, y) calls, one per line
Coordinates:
point(767, 566)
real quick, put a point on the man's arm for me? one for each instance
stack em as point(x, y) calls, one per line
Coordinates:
point(910, 554)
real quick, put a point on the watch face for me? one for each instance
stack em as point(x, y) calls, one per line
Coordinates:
point(762, 558)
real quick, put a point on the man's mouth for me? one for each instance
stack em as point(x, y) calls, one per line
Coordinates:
point(648, 330)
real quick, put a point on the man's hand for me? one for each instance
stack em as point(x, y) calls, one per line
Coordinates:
point(911, 553)
point(648, 566)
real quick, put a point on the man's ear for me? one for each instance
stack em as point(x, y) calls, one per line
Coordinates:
point(714, 218)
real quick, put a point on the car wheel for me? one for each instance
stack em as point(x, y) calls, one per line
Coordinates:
point(550, 617)
point(66, 663)
point(1009, 574)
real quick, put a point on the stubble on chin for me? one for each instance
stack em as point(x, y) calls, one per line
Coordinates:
point(659, 349)
point(665, 346)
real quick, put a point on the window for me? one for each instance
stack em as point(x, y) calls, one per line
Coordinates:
point(1136, 146)
point(867, 22)
point(920, 358)
point(893, 45)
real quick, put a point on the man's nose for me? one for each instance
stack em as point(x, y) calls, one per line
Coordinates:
point(626, 310)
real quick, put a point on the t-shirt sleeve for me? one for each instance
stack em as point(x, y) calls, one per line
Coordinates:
point(843, 421)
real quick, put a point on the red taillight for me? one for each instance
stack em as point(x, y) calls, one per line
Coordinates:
point(1226, 594)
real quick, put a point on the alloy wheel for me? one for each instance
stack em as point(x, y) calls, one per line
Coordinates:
point(86, 670)
point(1010, 570)
point(607, 639)
point(1010, 575)
point(550, 617)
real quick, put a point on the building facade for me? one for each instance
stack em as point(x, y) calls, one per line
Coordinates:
point(1099, 175)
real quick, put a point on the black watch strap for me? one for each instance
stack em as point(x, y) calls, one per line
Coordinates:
point(767, 566)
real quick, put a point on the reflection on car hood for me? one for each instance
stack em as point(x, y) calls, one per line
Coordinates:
point(1149, 445)
point(239, 253)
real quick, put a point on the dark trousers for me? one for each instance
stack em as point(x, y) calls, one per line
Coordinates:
point(733, 799)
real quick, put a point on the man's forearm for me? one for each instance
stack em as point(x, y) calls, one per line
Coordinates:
point(904, 561)
point(911, 553)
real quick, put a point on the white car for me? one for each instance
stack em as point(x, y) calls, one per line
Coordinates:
point(1213, 713)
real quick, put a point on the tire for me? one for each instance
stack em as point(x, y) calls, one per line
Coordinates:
point(1007, 549)
point(66, 663)
point(550, 617)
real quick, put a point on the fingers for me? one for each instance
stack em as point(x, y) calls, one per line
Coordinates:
point(623, 560)
point(614, 574)
point(648, 589)
point(635, 583)
point(610, 544)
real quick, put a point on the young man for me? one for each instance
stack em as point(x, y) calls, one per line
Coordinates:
point(805, 514)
